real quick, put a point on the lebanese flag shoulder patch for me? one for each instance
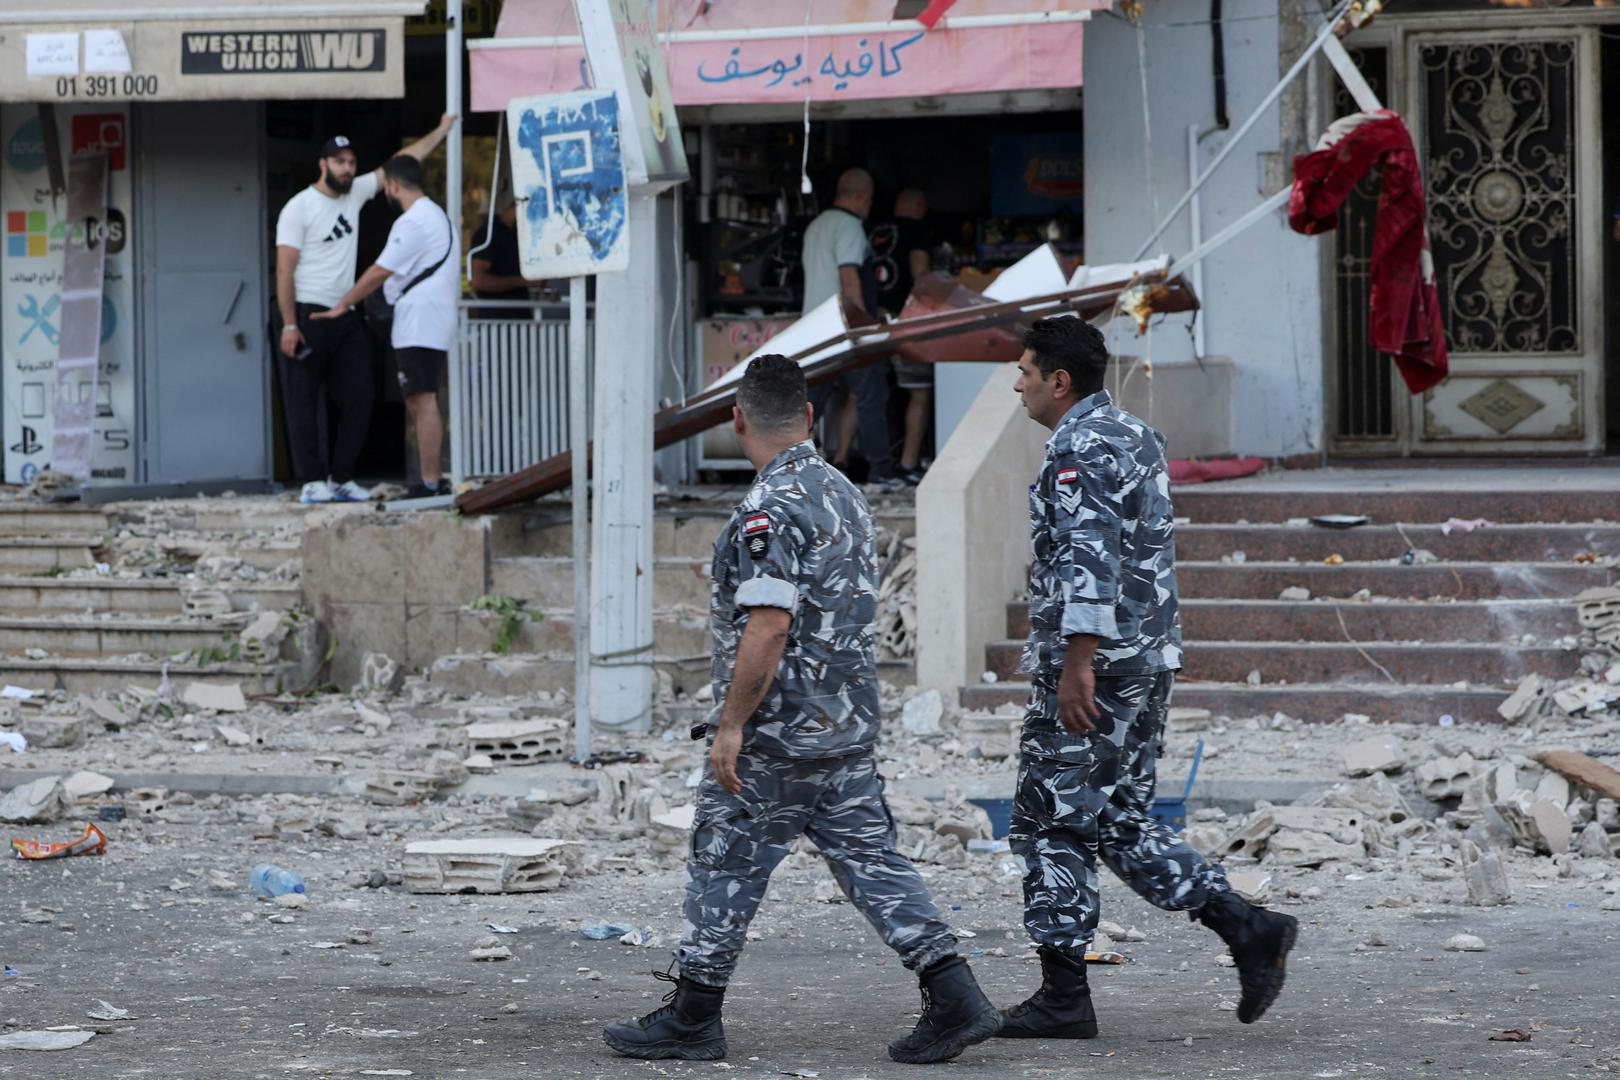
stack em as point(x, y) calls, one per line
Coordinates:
point(757, 534)
point(1068, 477)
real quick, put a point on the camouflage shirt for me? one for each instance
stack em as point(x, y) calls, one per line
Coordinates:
point(802, 539)
point(1103, 545)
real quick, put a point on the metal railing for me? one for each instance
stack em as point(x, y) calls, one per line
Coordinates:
point(509, 391)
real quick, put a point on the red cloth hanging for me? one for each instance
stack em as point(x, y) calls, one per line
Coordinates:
point(1405, 303)
point(934, 12)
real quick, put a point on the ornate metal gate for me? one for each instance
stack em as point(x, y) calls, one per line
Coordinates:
point(1506, 128)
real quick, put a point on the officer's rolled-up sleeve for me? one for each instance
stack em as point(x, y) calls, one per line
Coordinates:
point(768, 560)
point(1086, 506)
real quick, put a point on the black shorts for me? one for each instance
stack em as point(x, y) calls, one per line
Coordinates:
point(420, 369)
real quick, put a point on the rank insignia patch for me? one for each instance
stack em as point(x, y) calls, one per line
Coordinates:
point(757, 533)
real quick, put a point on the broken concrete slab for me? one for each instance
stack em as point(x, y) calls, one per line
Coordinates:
point(1294, 594)
point(206, 603)
point(1525, 700)
point(50, 731)
point(520, 742)
point(373, 718)
point(84, 785)
point(492, 864)
point(219, 698)
point(261, 639)
point(1379, 754)
point(1484, 876)
point(1187, 718)
point(1253, 885)
point(1538, 824)
point(1584, 770)
point(1594, 842)
point(1465, 943)
point(233, 736)
point(922, 714)
point(40, 802)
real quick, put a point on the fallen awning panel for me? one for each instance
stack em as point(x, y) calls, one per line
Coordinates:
point(1097, 294)
point(188, 50)
point(766, 53)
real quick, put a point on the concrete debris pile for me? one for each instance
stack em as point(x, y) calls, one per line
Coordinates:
point(895, 629)
point(1593, 695)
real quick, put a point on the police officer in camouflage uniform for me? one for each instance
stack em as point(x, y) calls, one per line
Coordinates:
point(1104, 647)
point(792, 741)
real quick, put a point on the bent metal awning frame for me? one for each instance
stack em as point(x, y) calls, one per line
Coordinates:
point(1136, 294)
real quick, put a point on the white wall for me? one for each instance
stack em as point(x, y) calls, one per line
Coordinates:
point(1263, 293)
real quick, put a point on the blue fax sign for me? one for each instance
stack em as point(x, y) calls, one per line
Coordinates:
point(568, 176)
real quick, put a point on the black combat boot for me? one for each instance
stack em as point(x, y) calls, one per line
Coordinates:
point(687, 1027)
point(956, 1014)
point(1259, 940)
point(1060, 1009)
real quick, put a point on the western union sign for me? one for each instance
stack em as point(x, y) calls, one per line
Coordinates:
point(241, 60)
point(292, 52)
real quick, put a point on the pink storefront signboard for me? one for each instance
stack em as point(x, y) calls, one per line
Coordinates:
point(820, 67)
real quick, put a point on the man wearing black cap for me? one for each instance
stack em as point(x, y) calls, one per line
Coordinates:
point(316, 249)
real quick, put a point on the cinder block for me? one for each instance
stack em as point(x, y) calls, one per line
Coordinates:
point(495, 864)
point(520, 742)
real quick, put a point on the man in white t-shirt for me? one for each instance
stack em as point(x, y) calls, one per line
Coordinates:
point(317, 242)
point(420, 275)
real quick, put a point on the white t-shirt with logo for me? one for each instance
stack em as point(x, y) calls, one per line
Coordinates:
point(425, 317)
point(325, 230)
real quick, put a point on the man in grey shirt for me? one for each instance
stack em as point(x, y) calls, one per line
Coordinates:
point(837, 261)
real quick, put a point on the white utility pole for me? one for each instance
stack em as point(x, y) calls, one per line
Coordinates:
point(627, 342)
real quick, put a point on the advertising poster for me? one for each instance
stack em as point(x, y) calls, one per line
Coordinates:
point(31, 258)
point(568, 175)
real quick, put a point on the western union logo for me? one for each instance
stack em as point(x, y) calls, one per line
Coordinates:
point(293, 51)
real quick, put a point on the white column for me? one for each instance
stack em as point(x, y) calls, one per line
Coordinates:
point(627, 345)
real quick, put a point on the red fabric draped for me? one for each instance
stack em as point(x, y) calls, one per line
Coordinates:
point(935, 11)
point(1405, 303)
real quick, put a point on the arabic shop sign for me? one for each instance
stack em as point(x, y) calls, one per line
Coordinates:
point(824, 68)
point(846, 62)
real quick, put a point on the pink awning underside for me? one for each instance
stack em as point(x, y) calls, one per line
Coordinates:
point(822, 68)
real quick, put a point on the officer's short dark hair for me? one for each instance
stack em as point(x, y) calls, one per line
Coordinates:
point(1070, 343)
point(772, 393)
point(405, 171)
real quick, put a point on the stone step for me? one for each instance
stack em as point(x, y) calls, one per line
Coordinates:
point(110, 635)
point(547, 582)
point(1454, 581)
point(1274, 543)
point(40, 519)
point(676, 533)
point(1506, 621)
point(46, 554)
point(1434, 503)
point(79, 675)
point(1384, 702)
point(146, 596)
point(1320, 662)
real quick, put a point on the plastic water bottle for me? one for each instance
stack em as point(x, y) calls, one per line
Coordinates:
point(271, 881)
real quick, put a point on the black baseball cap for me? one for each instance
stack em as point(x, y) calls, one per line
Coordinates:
point(331, 146)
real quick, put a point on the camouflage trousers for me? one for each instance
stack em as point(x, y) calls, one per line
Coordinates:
point(737, 840)
point(1093, 798)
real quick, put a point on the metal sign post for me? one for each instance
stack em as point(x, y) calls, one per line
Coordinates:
point(577, 389)
point(568, 179)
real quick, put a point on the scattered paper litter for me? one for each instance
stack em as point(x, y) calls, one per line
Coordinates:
point(45, 1040)
point(107, 1011)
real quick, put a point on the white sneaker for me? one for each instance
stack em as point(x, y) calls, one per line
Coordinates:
point(318, 491)
point(349, 491)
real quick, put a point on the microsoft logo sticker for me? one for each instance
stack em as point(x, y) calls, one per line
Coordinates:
point(26, 234)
